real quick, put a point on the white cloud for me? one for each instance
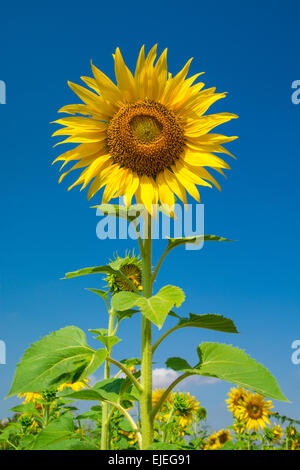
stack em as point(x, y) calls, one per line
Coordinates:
point(162, 378)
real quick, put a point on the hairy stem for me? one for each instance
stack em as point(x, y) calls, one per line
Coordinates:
point(146, 395)
point(105, 406)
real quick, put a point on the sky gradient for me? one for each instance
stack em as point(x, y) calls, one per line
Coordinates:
point(248, 49)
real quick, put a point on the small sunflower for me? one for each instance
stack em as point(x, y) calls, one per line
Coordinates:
point(254, 411)
point(76, 386)
point(146, 136)
point(236, 398)
point(295, 444)
point(185, 408)
point(156, 396)
point(291, 431)
point(278, 433)
point(131, 267)
point(212, 442)
point(224, 435)
point(30, 397)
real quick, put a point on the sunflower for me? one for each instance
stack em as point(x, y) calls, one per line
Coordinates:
point(30, 397)
point(277, 432)
point(74, 386)
point(146, 136)
point(167, 404)
point(224, 435)
point(236, 398)
point(254, 411)
point(212, 442)
point(131, 267)
point(185, 408)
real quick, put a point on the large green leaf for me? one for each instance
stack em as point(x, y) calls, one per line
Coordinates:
point(56, 431)
point(173, 242)
point(209, 321)
point(154, 308)
point(108, 389)
point(229, 363)
point(63, 356)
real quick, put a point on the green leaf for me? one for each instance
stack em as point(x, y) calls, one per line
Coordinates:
point(99, 331)
point(73, 444)
point(108, 341)
point(124, 300)
point(173, 242)
point(56, 431)
point(209, 321)
point(229, 363)
point(93, 270)
point(177, 363)
point(154, 308)
point(62, 356)
point(108, 389)
point(163, 446)
point(125, 314)
point(102, 293)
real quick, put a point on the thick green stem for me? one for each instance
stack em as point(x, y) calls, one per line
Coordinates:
point(105, 406)
point(146, 395)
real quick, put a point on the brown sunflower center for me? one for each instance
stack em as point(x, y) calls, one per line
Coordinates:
point(145, 137)
point(254, 411)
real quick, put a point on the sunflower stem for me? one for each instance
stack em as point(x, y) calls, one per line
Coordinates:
point(146, 366)
point(105, 406)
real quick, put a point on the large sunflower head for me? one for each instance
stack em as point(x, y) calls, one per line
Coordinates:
point(255, 411)
point(147, 135)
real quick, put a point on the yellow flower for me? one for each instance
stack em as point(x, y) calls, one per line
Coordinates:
point(236, 398)
point(295, 444)
point(278, 433)
point(146, 136)
point(254, 411)
point(156, 396)
point(30, 397)
point(224, 436)
point(74, 386)
point(185, 408)
point(212, 442)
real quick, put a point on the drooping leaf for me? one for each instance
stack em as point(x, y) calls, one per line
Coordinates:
point(209, 321)
point(62, 356)
point(155, 308)
point(92, 270)
point(229, 363)
point(101, 293)
point(125, 314)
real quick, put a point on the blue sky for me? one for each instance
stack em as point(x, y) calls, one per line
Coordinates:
point(246, 48)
